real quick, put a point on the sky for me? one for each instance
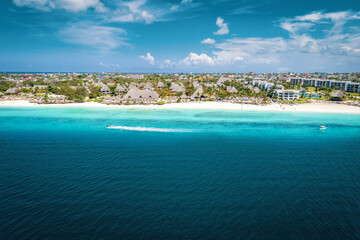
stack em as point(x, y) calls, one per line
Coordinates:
point(179, 36)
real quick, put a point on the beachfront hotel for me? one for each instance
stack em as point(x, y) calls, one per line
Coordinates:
point(287, 95)
point(348, 86)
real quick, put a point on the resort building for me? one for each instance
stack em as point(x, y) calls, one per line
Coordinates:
point(271, 85)
point(338, 84)
point(296, 81)
point(352, 87)
point(288, 95)
point(334, 84)
point(265, 85)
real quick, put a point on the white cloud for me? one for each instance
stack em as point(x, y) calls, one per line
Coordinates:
point(68, 5)
point(223, 27)
point(295, 27)
point(313, 17)
point(108, 65)
point(166, 64)
point(183, 4)
point(174, 8)
point(204, 61)
point(316, 42)
point(148, 58)
point(134, 11)
point(243, 10)
point(196, 59)
point(100, 37)
point(208, 41)
point(305, 22)
point(283, 69)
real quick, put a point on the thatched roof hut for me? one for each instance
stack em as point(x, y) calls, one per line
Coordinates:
point(176, 88)
point(148, 86)
point(136, 94)
point(132, 87)
point(160, 85)
point(183, 96)
point(57, 97)
point(336, 96)
point(11, 91)
point(222, 80)
point(121, 88)
point(105, 89)
point(231, 89)
point(198, 93)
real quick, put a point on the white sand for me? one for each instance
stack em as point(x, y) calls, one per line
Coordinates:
point(308, 107)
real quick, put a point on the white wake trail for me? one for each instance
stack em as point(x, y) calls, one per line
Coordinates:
point(148, 129)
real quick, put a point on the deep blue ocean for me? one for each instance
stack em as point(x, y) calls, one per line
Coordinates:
point(176, 174)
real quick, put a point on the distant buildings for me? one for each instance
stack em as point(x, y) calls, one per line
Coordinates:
point(136, 76)
point(124, 88)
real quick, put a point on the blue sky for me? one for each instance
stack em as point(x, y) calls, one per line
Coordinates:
point(179, 36)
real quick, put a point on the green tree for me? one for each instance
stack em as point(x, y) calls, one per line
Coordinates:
point(80, 94)
point(221, 95)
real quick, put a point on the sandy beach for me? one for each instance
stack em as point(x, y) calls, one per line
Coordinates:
point(308, 107)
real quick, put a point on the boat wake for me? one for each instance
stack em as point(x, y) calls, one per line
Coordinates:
point(149, 129)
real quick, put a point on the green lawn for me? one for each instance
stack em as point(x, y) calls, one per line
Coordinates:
point(311, 89)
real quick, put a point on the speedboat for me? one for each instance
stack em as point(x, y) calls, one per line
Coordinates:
point(322, 127)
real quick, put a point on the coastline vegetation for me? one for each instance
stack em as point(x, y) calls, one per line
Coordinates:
point(115, 88)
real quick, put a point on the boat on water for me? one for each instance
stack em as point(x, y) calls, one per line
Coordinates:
point(322, 127)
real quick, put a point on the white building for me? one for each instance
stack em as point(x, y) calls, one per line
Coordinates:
point(348, 86)
point(352, 87)
point(288, 95)
point(136, 76)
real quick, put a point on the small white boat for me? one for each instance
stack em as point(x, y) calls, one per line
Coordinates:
point(322, 127)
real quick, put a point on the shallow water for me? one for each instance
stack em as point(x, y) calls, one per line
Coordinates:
point(191, 175)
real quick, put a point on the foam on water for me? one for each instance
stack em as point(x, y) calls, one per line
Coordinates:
point(148, 129)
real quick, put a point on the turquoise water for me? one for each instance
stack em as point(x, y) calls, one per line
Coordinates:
point(178, 174)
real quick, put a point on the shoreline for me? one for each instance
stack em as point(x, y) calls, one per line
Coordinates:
point(306, 107)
